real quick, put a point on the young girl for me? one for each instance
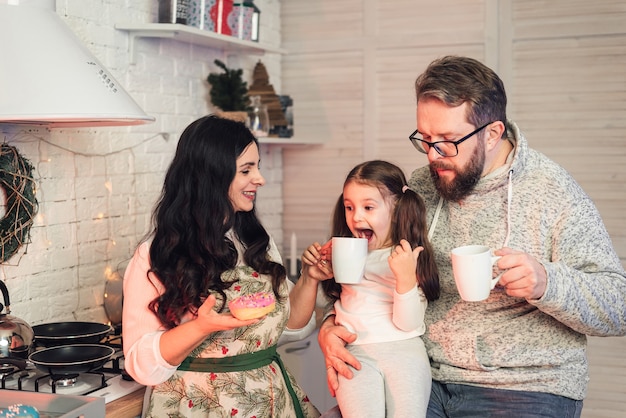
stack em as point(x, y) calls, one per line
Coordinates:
point(385, 310)
point(207, 248)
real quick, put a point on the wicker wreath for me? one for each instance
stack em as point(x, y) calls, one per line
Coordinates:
point(21, 204)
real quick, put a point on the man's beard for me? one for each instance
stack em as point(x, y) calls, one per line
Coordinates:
point(464, 182)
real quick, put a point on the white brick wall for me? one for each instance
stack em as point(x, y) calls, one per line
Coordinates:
point(96, 187)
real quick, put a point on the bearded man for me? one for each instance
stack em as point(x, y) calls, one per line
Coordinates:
point(522, 351)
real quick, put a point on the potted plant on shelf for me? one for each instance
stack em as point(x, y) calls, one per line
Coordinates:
point(229, 93)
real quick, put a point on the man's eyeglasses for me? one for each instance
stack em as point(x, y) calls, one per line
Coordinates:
point(444, 148)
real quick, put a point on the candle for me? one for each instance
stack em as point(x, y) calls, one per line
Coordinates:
point(293, 258)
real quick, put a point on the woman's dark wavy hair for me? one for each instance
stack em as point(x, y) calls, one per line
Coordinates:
point(189, 249)
point(408, 221)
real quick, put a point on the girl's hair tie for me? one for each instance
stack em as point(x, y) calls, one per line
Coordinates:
point(405, 188)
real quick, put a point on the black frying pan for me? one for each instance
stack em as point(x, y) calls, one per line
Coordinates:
point(68, 359)
point(73, 332)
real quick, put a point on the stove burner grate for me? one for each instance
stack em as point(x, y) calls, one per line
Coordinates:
point(110, 381)
point(9, 375)
point(65, 380)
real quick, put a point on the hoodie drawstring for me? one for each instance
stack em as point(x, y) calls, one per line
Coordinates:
point(508, 210)
point(431, 230)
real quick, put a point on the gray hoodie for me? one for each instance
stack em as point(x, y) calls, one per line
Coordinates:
point(512, 343)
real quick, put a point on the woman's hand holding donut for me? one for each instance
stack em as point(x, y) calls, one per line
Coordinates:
point(210, 321)
point(176, 343)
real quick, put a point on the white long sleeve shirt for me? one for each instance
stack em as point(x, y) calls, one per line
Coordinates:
point(374, 310)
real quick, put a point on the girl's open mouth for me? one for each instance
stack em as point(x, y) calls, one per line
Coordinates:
point(365, 233)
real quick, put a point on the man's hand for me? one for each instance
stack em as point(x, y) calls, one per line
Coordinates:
point(332, 340)
point(524, 276)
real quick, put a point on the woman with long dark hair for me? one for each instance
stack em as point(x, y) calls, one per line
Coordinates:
point(208, 247)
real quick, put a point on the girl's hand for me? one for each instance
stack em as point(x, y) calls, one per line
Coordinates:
point(403, 264)
point(302, 297)
point(316, 261)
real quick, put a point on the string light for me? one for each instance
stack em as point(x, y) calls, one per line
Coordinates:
point(31, 135)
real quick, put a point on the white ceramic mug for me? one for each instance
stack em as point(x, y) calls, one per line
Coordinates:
point(472, 266)
point(348, 258)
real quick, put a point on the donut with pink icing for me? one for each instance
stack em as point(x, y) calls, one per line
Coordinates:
point(252, 306)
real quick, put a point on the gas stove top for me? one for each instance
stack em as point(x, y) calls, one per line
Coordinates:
point(80, 397)
point(105, 384)
point(109, 381)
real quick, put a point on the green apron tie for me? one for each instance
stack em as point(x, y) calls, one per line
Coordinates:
point(241, 362)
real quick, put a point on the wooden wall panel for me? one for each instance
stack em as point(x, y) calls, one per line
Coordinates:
point(352, 85)
point(396, 70)
point(351, 67)
point(327, 91)
point(607, 371)
point(569, 90)
point(424, 22)
point(570, 97)
point(305, 22)
point(540, 19)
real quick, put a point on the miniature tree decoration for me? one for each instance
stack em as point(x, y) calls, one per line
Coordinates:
point(261, 86)
point(228, 90)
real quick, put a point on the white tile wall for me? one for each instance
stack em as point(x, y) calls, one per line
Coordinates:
point(96, 187)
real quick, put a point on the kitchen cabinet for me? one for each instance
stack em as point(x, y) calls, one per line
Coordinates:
point(305, 361)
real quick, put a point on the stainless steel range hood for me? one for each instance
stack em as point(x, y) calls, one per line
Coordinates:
point(47, 77)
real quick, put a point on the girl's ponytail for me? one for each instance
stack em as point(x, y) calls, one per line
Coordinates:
point(409, 222)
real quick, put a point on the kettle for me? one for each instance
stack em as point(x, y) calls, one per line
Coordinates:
point(16, 336)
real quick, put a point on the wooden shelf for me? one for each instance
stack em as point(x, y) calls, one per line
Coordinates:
point(195, 36)
point(288, 141)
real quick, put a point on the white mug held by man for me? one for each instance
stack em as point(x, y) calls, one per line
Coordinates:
point(472, 266)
